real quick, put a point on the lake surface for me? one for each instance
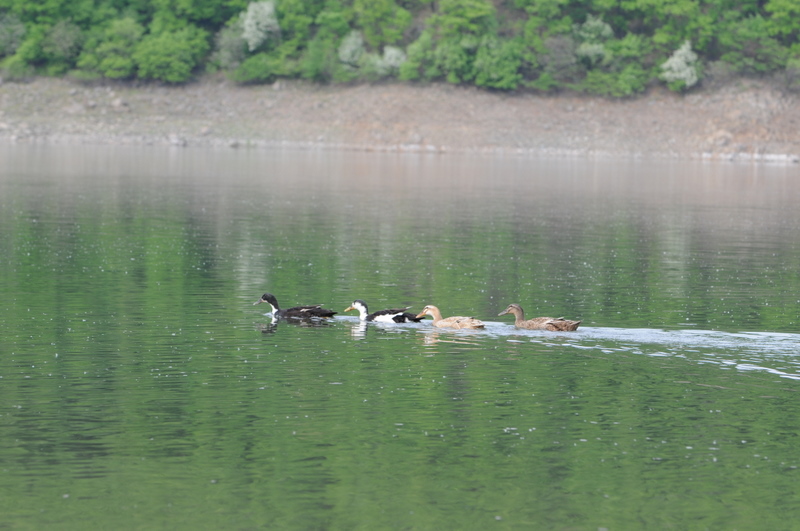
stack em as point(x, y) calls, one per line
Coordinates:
point(140, 388)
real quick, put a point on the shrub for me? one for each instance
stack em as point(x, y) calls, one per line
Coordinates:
point(15, 67)
point(792, 74)
point(545, 83)
point(718, 73)
point(258, 68)
point(630, 80)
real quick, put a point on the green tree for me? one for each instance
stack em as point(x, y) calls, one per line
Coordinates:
point(170, 56)
point(421, 63)
point(560, 61)
point(784, 21)
point(454, 57)
point(543, 44)
point(28, 55)
point(61, 46)
point(112, 56)
point(497, 63)
point(747, 46)
point(296, 18)
point(458, 18)
point(382, 21)
point(320, 61)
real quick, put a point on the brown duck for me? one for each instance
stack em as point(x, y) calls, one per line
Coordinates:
point(449, 322)
point(558, 324)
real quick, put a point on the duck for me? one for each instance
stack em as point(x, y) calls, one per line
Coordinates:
point(297, 312)
point(398, 315)
point(554, 324)
point(451, 322)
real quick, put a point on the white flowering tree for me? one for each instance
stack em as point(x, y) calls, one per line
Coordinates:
point(351, 49)
point(259, 23)
point(354, 56)
point(680, 70)
point(593, 36)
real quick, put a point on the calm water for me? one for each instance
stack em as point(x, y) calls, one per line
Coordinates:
point(141, 389)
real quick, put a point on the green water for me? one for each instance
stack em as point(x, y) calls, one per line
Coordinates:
point(141, 389)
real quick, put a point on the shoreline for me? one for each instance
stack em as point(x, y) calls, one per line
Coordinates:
point(747, 121)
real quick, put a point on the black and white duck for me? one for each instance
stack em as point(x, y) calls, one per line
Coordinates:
point(397, 315)
point(297, 312)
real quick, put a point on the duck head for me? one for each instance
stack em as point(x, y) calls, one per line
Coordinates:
point(270, 299)
point(359, 305)
point(427, 310)
point(512, 308)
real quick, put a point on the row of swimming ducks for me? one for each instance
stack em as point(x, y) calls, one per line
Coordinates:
point(400, 315)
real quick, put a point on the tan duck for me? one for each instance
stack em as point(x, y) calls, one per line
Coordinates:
point(450, 322)
point(554, 324)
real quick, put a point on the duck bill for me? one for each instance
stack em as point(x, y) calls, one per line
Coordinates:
point(349, 308)
point(502, 313)
point(423, 314)
point(259, 301)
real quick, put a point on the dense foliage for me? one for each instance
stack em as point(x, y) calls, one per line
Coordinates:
point(613, 48)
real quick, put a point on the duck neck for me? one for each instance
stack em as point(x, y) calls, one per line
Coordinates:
point(436, 314)
point(519, 317)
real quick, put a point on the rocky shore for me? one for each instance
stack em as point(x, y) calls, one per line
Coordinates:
point(748, 120)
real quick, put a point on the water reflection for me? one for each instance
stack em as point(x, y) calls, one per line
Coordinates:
point(359, 330)
point(132, 353)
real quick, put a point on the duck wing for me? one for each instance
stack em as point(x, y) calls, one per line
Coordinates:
point(459, 322)
point(307, 312)
point(387, 316)
point(537, 323)
point(562, 325)
point(407, 317)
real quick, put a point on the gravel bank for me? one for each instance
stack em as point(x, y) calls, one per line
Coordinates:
point(746, 121)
